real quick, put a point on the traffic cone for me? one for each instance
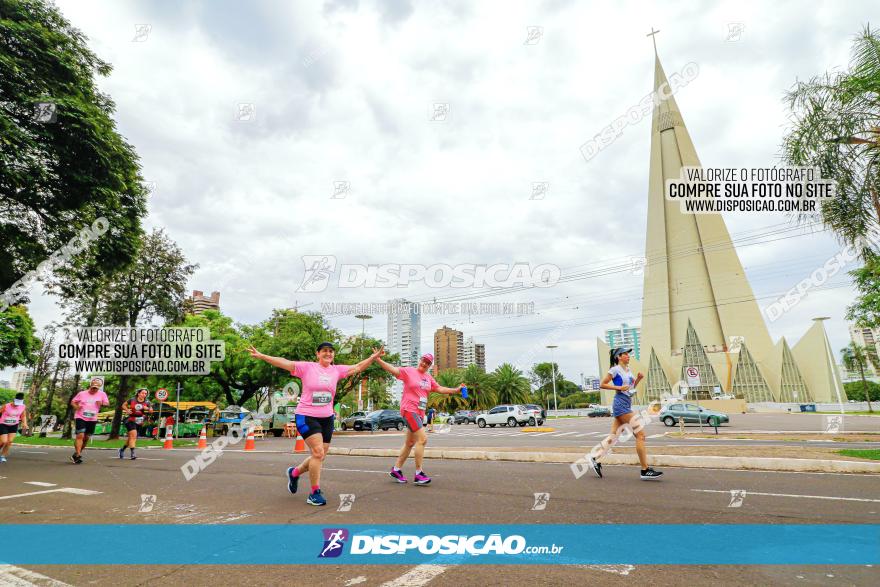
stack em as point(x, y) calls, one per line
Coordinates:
point(169, 438)
point(203, 438)
point(249, 443)
point(300, 445)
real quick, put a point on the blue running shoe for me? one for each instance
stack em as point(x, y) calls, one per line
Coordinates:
point(292, 482)
point(316, 498)
point(122, 452)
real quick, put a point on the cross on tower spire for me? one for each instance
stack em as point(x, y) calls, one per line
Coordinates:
point(653, 38)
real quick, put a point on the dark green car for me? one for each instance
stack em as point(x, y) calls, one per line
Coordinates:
point(691, 413)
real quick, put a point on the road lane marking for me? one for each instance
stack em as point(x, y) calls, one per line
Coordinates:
point(32, 452)
point(831, 497)
point(72, 490)
point(565, 433)
point(41, 483)
point(657, 435)
point(417, 576)
point(19, 577)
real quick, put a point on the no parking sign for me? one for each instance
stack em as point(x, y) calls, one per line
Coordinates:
point(693, 376)
point(161, 394)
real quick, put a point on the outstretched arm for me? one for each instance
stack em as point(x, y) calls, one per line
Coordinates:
point(358, 367)
point(448, 390)
point(394, 370)
point(279, 362)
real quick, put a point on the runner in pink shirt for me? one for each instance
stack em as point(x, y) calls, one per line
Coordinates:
point(13, 414)
point(314, 412)
point(88, 403)
point(417, 385)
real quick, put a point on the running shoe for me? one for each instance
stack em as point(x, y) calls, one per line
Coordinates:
point(2, 459)
point(292, 482)
point(596, 466)
point(77, 459)
point(122, 453)
point(397, 476)
point(316, 498)
point(650, 474)
point(421, 479)
point(133, 457)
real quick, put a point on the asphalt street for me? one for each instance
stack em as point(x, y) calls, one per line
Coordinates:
point(39, 486)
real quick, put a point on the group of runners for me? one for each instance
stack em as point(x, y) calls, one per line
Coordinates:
point(314, 415)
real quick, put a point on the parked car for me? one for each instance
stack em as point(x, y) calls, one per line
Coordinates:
point(670, 414)
point(384, 419)
point(465, 417)
point(539, 408)
point(509, 415)
point(599, 412)
point(355, 421)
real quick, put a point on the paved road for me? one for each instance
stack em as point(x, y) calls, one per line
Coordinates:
point(586, 432)
point(250, 488)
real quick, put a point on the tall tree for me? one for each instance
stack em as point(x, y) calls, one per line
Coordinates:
point(63, 164)
point(541, 377)
point(836, 127)
point(17, 340)
point(509, 385)
point(154, 285)
point(857, 358)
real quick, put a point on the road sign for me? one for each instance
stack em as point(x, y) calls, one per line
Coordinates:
point(161, 394)
point(693, 376)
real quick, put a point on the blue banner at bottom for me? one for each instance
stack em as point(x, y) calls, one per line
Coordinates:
point(484, 544)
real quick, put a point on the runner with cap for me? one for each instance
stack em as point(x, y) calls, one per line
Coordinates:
point(417, 385)
point(135, 410)
point(13, 414)
point(620, 380)
point(87, 403)
point(314, 412)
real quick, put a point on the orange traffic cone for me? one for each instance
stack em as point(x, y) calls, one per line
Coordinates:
point(203, 438)
point(169, 439)
point(249, 443)
point(300, 445)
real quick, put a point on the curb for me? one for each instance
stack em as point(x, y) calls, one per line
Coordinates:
point(698, 462)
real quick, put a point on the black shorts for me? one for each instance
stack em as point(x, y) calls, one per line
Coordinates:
point(8, 429)
point(85, 427)
point(308, 425)
point(131, 425)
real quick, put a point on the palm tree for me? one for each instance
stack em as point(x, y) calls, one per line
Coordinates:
point(444, 402)
point(856, 357)
point(480, 394)
point(836, 127)
point(509, 385)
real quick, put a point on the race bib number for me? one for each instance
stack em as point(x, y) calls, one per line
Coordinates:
point(321, 398)
point(423, 403)
point(138, 420)
point(10, 421)
point(89, 414)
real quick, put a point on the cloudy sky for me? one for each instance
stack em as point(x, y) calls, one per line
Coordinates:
point(343, 94)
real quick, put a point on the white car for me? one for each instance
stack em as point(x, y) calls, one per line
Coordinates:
point(509, 415)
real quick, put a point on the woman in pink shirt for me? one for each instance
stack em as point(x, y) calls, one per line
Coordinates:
point(14, 413)
point(314, 412)
point(417, 384)
point(87, 403)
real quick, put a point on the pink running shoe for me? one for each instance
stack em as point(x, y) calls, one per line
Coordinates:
point(398, 476)
point(422, 479)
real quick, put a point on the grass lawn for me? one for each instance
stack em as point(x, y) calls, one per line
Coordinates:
point(867, 453)
point(57, 441)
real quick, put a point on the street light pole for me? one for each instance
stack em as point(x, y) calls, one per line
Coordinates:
point(553, 371)
point(363, 318)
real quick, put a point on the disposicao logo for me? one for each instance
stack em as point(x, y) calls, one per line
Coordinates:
point(334, 541)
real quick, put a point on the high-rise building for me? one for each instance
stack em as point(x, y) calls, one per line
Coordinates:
point(405, 332)
point(480, 356)
point(472, 354)
point(625, 336)
point(21, 380)
point(592, 383)
point(699, 313)
point(201, 302)
point(867, 337)
point(448, 348)
point(4, 384)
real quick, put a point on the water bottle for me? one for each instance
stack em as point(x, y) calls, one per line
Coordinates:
point(464, 392)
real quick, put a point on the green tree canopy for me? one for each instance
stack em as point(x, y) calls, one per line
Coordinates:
point(63, 163)
point(509, 385)
point(17, 341)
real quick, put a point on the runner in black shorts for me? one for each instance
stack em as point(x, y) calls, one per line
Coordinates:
point(314, 412)
point(136, 410)
point(13, 414)
point(88, 403)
